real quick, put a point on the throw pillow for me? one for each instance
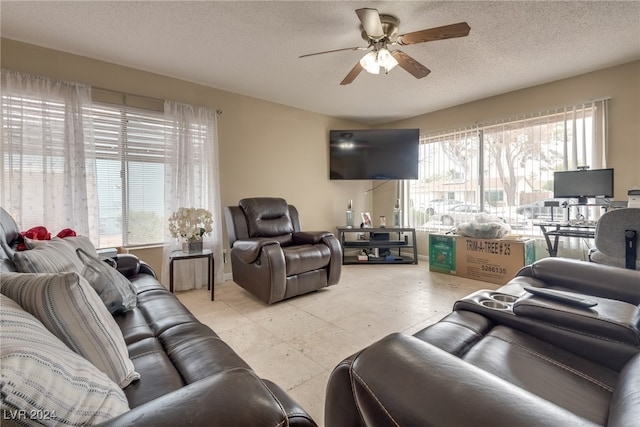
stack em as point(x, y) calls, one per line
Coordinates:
point(68, 307)
point(45, 382)
point(115, 290)
point(77, 242)
point(56, 256)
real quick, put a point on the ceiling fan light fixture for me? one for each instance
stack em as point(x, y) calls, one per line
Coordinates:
point(386, 60)
point(370, 63)
point(373, 61)
point(381, 30)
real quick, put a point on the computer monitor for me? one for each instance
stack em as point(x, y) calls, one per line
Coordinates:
point(583, 184)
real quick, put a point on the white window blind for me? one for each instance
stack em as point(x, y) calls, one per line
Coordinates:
point(131, 169)
point(501, 168)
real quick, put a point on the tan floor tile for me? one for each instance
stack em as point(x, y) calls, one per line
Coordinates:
point(292, 322)
point(249, 339)
point(284, 365)
point(223, 319)
point(371, 325)
point(329, 346)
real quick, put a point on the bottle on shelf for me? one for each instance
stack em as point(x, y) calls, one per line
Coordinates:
point(349, 214)
point(397, 214)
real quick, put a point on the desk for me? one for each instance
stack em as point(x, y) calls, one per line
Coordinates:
point(586, 231)
point(179, 255)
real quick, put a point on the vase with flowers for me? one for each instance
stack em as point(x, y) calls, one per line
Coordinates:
point(191, 225)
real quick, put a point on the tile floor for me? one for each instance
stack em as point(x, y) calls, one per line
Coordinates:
point(296, 343)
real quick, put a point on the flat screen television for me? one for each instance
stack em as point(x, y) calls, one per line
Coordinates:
point(583, 184)
point(373, 154)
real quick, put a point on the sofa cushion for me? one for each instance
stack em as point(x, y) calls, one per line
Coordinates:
point(300, 259)
point(81, 242)
point(67, 305)
point(42, 377)
point(56, 256)
point(572, 382)
point(197, 352)
point(115, 290)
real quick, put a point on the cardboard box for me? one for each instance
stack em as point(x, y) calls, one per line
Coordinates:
point(489, 260)
point(442, 253)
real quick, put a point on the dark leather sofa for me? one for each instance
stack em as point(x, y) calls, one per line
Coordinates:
point(189, 376)
point(507, 358)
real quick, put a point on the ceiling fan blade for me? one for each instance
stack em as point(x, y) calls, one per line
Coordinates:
point(331, 51)
point(370, 20)
point(411, 65)
point(352, 74)
point(461, 29)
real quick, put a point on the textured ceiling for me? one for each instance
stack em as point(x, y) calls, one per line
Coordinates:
point(252, 48)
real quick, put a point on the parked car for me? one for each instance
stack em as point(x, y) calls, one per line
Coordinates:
point(466, 213)
point(539, 210)
point(441, 205)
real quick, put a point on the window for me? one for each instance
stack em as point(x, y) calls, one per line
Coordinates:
point(96, 167)
point(130, 165)
point(108, 165)
point(501, 168)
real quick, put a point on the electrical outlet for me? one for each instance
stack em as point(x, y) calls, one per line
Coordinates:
point(360, 236)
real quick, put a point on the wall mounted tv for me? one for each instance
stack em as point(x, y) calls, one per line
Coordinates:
point(583, 184)
point(373, 154)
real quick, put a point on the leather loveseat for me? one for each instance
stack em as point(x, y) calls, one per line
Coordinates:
point(189, 376)
point(507, 358)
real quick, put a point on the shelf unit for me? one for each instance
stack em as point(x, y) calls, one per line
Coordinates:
point(406, 239)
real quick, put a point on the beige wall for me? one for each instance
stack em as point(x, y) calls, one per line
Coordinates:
point(267, 149)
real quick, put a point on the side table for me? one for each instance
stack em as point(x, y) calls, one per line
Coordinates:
point(179, 255)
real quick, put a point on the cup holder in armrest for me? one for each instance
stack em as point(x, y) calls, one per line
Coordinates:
point(492, 303)
point(488, 302)
point(505, 298)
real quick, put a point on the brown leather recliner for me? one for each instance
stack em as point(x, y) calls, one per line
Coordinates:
point(272, 258)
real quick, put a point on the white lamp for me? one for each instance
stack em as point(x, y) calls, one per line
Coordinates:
point(386, 60)
point(369, 62)
point(376, 59)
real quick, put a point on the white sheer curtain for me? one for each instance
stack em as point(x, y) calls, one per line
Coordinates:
point(192, 180)
point(47, 154)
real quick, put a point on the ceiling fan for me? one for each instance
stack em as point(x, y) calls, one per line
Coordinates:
point(381, 31)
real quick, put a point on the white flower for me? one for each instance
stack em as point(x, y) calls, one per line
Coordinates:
point(190, 224)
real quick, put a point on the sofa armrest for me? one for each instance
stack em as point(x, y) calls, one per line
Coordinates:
point(310, 237)
point(248, 250)
point(127, 264)
point(231, 398)
point(588, 278)
point(401, 380)
point(147, 269)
